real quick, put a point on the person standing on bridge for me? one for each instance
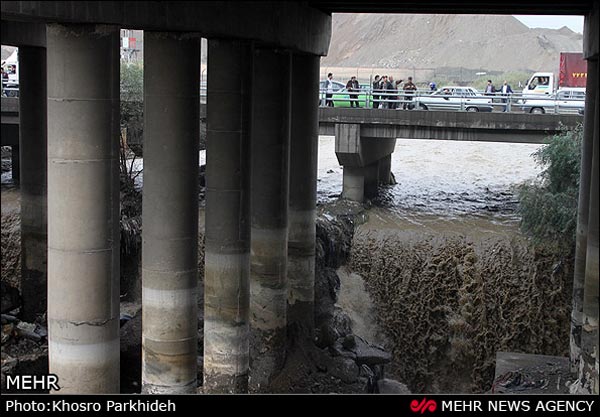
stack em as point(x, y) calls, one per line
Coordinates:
point(506, 91)
point(409, 89)
point(353, 87)
point(329, 88)
point(489, 88)
point(376, 88)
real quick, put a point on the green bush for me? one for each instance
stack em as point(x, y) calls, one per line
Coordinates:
point(548, 205)
point(132, 104)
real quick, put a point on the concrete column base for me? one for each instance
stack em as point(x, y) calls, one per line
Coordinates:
point(360, 183)
point(385, 170)
point(354, 183)
point(371, 179)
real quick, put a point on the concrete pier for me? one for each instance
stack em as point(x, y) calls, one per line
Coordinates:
point(371, 178)
point(271, 104)
point(33, 99)
point(385, 170)
point(589, 336)
point(83, 207)
point(363, 158)
point(583, 213)
point(170, 213)
point(227, 259)
point(304, 145)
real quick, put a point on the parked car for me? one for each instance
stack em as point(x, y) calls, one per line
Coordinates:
point(341, 95)
point(568, 100)
point(456, 99)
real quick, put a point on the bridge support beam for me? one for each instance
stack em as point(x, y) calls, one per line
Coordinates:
point(33, 148)
point(366, 161)
point(227, 259)
point(589, 336)
point(271, 109)
point(304, 146)
point(590, 351)
point(170, 213)
point(83, 207)
point(583, 215)
point(385, 170)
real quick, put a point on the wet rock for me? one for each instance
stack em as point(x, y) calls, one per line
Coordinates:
point(28, 364)
point(349, 342)
point(339, 350)
point(344, 369)
point(131, 355)
point(390, 386)
point(368, 354)
point(10, 297)
point(7, 332)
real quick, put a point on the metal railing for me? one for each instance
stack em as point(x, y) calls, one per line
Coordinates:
point(424, 99)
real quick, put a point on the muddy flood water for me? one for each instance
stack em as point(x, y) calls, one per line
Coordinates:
point(439, 272)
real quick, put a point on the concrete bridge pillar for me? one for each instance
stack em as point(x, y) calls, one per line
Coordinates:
point(271, 104)
point(304, 145)
point(227, 259)
point(170, 212)
point(33, 98)
point(587, 246)
point(583, 214)
point(385, 170)
point(83, 207)
point(371, 178)
point(589, 336)
point(364, 159)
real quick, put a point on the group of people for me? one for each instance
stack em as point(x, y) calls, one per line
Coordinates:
point(386, 87)
point(386, 92)
point(383, 91)
point(505, 90)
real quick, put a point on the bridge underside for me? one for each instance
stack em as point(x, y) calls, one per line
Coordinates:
point(261, 180)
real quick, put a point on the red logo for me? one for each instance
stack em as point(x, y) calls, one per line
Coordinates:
point(424, 405)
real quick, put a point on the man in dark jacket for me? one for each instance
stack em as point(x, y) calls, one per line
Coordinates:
point(376, 83)
point(489, 89)
point(353, 87)
point(409, 89)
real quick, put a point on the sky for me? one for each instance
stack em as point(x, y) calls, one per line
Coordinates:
point(575, 23)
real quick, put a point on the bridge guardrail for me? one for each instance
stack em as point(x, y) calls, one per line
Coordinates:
point(507, 102)
point(529, 103)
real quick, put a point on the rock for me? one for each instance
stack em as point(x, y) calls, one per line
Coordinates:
point(349, 342)
point(344, 369)
point(131, 355)
point(7, 332)
point(10, 296)
point(368, 354)
point(29, 364)
point(390, 386)
point(339, 350)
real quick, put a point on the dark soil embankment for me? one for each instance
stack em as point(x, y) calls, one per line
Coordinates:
point(448, 304)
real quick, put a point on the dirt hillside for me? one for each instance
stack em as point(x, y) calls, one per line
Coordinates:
point(500, 43)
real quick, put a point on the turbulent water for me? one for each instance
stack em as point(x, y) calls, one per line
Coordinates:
point(446, 178)
point(449, 279)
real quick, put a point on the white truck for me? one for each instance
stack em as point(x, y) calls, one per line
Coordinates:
point(546, 93)
point(10, 76)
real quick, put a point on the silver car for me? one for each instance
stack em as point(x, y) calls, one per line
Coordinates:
point(568, 100)
point(456, 99)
